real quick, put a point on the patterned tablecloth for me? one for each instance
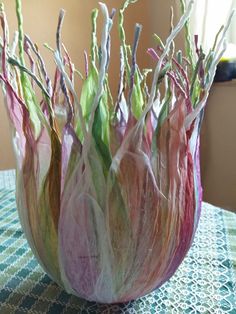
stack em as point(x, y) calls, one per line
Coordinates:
point(204, 283)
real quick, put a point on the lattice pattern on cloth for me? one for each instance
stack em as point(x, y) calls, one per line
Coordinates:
point(7, 179)
point(205, 282)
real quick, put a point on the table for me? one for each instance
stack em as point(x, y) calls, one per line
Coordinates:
point(204, 283)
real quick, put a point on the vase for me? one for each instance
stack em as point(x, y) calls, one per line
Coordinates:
point(109, 197)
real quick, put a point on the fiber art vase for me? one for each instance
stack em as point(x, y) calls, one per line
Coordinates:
point(108, 188)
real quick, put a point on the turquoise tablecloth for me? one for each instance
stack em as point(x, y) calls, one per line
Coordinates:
point(205, 282)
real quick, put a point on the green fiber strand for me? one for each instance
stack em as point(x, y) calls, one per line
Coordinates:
point(20, 31)
point(46, 45)
point(158, 41)
point(188, 44)
point(29, 95)
point(122, 33)
point(94, 47)
point(195, 73)
point(14, 62)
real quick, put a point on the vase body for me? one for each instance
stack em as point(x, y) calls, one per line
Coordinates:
point(111, 236)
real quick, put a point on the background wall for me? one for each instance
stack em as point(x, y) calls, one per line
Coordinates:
point(40, 21)
point(218, 147)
